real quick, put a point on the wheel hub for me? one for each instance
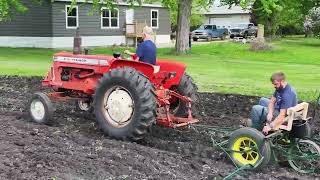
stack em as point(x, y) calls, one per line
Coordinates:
point(119, 107)
point(246, 151)
point(37, 110)
point(84, 105)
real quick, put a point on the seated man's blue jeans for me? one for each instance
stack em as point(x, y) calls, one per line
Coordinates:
point(259, 113)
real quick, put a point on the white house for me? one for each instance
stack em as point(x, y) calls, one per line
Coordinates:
point(225, 17)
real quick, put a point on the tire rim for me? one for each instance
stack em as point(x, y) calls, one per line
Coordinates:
point(84, 105)
point(249, 151)
point(37, 110)
point(304, 156)
point(118, 106)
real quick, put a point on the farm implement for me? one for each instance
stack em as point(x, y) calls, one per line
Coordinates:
point(248, 148)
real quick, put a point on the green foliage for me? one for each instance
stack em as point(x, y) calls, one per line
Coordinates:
point(278, 15)
point(6, 8)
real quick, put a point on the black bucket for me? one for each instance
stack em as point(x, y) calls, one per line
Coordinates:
point(300, 129)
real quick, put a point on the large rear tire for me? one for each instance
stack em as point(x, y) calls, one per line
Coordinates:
point(125, 104)
point(187, 88)
point(248, 146)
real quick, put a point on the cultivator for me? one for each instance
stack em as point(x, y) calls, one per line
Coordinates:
point(248, 148)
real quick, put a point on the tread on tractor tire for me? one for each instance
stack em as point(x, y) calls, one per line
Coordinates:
point(247, 138)
point(125, 104)
point(40, 108)
point(298, 159)
point(186, 87)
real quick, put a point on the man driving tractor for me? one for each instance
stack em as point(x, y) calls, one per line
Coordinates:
point(272, 112)
point(147, 50)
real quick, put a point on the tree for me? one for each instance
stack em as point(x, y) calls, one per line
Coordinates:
point(183, 14)
point(277, 13)
point(312, 22)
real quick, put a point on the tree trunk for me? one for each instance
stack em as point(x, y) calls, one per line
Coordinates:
point(183, 26)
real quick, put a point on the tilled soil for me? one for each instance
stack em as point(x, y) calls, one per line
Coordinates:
point(72, 146)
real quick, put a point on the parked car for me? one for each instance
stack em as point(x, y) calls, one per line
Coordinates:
point(243, 30)
point(220, 33)
point(204, 32)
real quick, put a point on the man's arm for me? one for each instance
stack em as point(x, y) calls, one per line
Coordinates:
point(279, 119)
point(271, 108)
point(271, 104)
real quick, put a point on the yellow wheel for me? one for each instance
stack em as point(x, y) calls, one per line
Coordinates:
point(248, 151)
point(247, 146)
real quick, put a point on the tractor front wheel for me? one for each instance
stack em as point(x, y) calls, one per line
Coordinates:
point(84, 105)
point(40, 108)
point(125, 104)
point(247, 147)
point(187, 88)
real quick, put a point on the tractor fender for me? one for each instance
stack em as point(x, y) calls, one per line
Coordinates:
point(167, 66)
point(146, 69)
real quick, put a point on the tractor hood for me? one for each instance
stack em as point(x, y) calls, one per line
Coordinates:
point(95, 60)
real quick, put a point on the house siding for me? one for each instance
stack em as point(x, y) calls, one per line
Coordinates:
point(90, 25)
point(142, 14)
point(36, 22)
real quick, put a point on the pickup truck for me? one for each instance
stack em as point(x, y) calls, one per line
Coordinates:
point(208, 32)
point(243, 30)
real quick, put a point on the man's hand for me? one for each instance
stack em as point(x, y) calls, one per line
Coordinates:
point(266, 129)
point(269, 117)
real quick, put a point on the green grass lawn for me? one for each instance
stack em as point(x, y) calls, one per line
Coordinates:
point(216, 67)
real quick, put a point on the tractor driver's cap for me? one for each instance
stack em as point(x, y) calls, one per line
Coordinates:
point(147, 30)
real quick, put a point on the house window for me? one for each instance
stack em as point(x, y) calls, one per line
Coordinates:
point(72, 17)
point(154, 18)
point(109, 18)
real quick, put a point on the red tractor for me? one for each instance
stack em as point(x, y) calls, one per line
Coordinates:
point(126, 96)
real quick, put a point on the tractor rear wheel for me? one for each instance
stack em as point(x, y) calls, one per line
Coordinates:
point(40, 108)
point(187, 88)
point(125, 104)
point(248, 147)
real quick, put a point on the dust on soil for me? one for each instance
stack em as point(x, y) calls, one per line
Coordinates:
point(72, 146)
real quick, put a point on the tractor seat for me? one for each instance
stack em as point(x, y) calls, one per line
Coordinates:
point(156, 69)
point(298, 112)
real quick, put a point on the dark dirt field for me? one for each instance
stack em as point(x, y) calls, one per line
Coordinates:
point(72, 146)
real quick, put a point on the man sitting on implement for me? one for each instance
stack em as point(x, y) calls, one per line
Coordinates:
point(273, 111)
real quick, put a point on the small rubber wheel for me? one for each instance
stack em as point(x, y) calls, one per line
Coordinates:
point(304, 156)
point(84, 105)
point(40, 108)
point(248, 146)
